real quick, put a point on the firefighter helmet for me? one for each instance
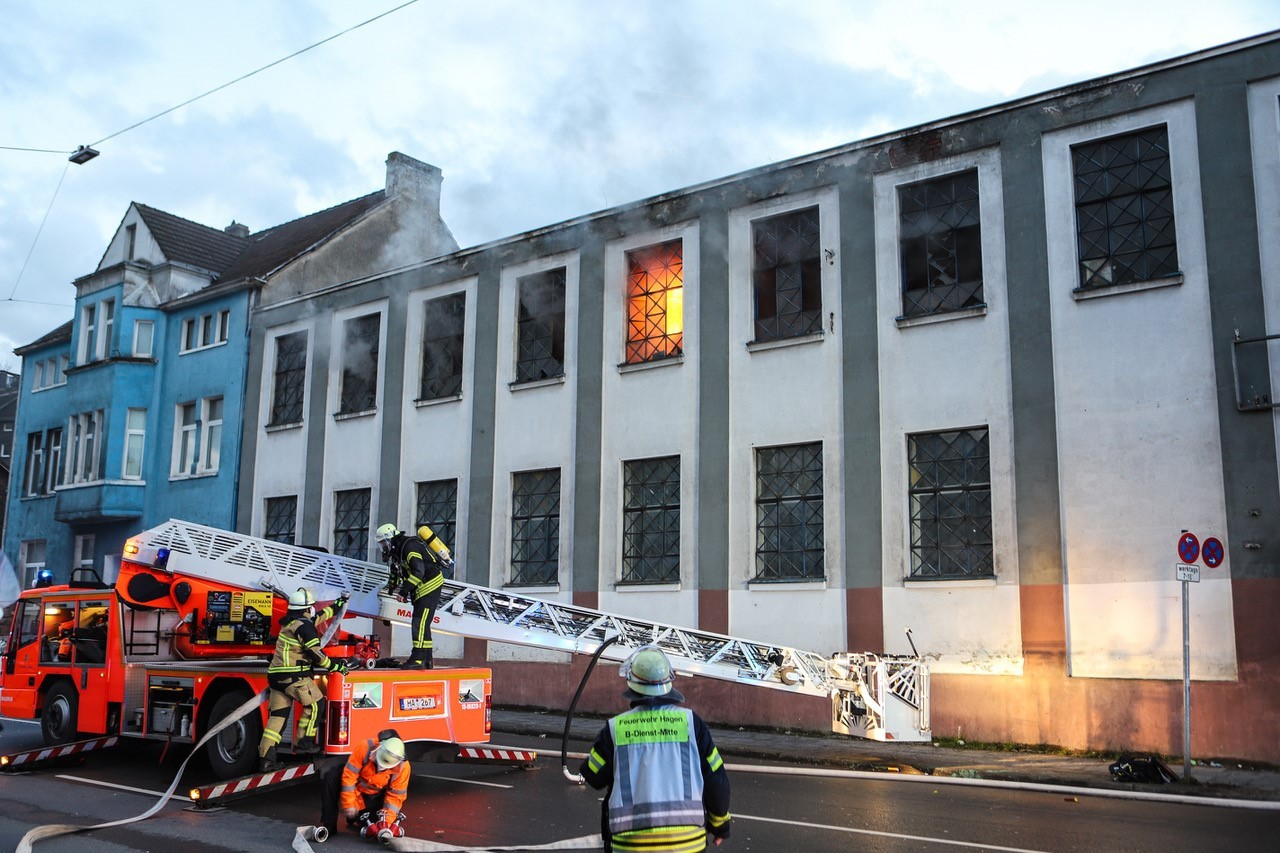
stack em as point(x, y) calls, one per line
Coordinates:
point(386, 533)
point(302, 599)
point(389, 753)
point(648, 672)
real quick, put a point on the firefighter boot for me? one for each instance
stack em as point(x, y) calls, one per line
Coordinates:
point(268, 762)
point(306, 745)
point(416, 660)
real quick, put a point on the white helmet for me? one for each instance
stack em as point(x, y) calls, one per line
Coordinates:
point(389, 753)
point(302, 599)
point(648, 672)
point(386, 533)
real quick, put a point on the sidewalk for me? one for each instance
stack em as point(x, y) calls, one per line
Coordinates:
point(851, 753)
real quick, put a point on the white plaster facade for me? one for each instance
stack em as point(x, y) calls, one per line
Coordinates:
point(943, 372)
point(281, 453)
point(649, 410)
point(1264, 131)
point(1139, 447)
point(765, 381)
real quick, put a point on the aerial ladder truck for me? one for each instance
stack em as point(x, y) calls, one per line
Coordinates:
point(190, 630)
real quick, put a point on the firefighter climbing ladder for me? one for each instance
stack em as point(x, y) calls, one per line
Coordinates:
point(881, 697)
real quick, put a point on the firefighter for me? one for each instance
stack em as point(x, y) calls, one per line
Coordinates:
point(646, 757)
point(297, 656)
point(416, 573)
point(369, 789)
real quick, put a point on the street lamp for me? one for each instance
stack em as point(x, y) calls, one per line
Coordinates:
point(82, 155)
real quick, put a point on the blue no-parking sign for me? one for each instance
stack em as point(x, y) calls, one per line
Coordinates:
point(1188, 547)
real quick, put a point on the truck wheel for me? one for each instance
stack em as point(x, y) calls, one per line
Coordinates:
point(234, 751)
point(61, 710)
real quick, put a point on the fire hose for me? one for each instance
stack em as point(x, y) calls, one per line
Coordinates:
point(56, 829)
point(568, 720)
point(304, 833)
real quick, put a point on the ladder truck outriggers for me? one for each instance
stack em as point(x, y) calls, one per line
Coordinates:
point(190, 627)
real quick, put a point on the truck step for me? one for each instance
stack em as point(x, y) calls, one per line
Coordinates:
point(37, 757)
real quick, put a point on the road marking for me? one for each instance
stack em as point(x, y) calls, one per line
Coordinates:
point(467, 781)
point(102, 784)
point(923, 838)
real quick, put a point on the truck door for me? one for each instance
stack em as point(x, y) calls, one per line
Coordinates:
point(75, 642)
point(22, 660)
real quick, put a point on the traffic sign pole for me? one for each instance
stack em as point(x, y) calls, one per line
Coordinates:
point(1186, 681)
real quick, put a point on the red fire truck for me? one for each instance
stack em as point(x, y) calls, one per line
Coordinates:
point(184, 636)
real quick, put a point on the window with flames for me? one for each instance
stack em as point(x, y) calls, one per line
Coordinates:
point(655, 302)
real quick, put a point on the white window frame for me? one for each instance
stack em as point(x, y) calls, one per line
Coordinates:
point(211, 435)
point(84, 461)
point(205, 331)
point(32, 568)
point(185, 440)
point(64, 361)
point(106, 325)
point(138, 350)
point(33, 475)
point(88, 324)
point(53, 458)
point(83, 553)
point(134, 432)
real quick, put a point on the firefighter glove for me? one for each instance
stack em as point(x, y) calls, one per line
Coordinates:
point(719, 826)
point(340, 666)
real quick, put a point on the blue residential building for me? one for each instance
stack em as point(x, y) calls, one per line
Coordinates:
point(131, 413)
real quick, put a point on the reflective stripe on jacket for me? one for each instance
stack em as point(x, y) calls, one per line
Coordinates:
point(362, 778)
point(421, 571)
point(297, 649)
point(657, 774)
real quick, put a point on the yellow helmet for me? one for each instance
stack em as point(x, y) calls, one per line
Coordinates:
point(389, 753)
point(648, 672)
point(302, 599)
point(386, 533)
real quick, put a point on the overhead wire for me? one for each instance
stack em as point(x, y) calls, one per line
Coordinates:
point(187, 102)
point(251, 73)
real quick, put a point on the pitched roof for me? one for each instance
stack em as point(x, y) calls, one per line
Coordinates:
point(271, 248)
point(190, 242)
point(58, 335)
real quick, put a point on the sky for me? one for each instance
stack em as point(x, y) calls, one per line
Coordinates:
point(537, 112)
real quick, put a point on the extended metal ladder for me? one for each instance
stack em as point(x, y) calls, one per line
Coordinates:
point(881, 697)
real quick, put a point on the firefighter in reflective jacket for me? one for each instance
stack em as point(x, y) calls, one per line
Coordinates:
point(417, 574)
point(667, 783)
point(369, 789)
point(289, 676)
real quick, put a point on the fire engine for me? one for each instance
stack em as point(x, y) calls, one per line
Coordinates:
point(189, 627)
point(184, 637)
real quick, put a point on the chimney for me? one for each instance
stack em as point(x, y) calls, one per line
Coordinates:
point(414, 179)
point(235, 229)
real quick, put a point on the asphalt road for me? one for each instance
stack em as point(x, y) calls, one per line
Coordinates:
point(479, 807)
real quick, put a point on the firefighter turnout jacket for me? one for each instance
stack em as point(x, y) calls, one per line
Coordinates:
point(362, 778)
point(665, 777)
point(415, 571)
point(298, 653)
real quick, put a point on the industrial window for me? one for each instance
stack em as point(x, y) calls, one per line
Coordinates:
point(655, 302)
point(950, 493)
point(1124, 209)
point(282, 519)
point(351, 523)
point(651, 520)
point(787, 275)
point(442, 339)
point(290, 379)
point(86, 450)
point(540, 326)
point(360, 364)
point(438, 509)
point(789, 526)
point(941, 244)
point(535, 527)
point(135, 437)
point(211, 440)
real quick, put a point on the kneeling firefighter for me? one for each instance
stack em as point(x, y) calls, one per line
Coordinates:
point(289, 676)
point(369, 790)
